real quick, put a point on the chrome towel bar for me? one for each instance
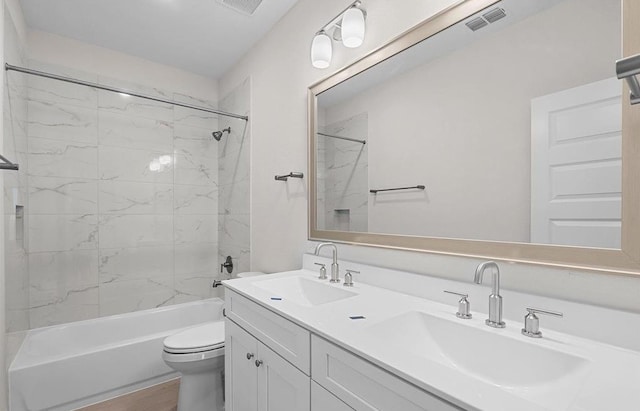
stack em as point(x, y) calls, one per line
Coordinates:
point(419, 187)
point(628, 68)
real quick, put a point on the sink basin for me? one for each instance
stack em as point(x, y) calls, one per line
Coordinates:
point(303, 291)
point(512, 364)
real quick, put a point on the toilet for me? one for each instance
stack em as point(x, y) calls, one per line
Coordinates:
point(198, 354)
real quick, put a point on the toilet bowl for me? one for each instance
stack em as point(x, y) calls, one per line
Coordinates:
point(198, 354)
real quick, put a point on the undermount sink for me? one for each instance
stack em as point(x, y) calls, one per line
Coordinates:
point(303, 291)
point(509, 363)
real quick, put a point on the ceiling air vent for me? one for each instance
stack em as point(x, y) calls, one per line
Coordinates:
point(494, 15)
point(247, 7)
point(476, 24)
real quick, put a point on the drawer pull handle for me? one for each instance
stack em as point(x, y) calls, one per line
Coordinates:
point(249, 356)
point(258, 363)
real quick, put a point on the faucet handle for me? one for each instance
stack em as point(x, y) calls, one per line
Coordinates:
point(348, 277)
point(532, 323)
point(464, 306)
point(323, 271)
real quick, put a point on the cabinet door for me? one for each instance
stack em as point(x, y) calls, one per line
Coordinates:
point(241, 376)
point(323, 400)
point(281, 386)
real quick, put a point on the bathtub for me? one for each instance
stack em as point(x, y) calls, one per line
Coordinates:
point(72, 365)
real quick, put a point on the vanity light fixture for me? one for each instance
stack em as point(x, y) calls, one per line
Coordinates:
point(348, 27)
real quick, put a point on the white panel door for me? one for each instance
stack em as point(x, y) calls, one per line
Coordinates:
point(576, 168)
point(281, 386)
point(241, 376)
point(323, 400)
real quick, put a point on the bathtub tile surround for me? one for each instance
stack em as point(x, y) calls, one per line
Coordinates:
point(124, 194)
point(233, 157)
point(343, 176)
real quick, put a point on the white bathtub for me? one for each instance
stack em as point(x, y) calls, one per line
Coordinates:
point(72, 365)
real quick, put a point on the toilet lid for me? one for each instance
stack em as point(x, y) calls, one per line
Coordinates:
point(201, 338)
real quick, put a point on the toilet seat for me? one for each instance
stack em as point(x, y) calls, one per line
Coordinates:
point(200, 339)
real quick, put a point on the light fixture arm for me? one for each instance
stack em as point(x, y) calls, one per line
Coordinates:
point(335, 22)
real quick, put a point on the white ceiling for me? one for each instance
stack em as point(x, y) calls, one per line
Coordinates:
point(200, 36)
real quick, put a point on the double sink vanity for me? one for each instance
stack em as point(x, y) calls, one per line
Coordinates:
point(296, 342)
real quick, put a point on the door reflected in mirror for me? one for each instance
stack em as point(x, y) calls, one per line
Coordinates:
point(510, 119)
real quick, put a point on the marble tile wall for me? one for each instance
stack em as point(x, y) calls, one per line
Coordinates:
point(122, 200)
point(343, 173)
point(234, 168)
point(14, 147)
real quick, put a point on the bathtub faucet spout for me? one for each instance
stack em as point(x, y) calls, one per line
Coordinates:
point(216, 283)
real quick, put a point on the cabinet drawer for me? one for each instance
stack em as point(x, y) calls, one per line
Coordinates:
point(323, 400)
point(364, 386)
point(287, 339)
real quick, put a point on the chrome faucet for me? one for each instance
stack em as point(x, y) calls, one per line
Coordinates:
point(335, 273)
point(495, 299)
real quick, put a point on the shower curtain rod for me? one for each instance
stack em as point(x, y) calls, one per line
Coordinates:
point(8, 67)
point(344, 138)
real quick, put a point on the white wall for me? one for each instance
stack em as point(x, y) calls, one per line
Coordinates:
point(281, 73)
point(477, 171)
point(65, 52)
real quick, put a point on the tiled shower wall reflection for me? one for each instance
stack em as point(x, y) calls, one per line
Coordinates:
point(121, 201)
point(234, 160)
point(343, 183)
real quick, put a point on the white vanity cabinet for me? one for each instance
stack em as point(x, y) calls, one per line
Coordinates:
point(267, 359)
point(364, 386)
point(273, 364)
point(259, 379)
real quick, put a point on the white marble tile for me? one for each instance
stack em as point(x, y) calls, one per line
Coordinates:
point(134, 106)
point(195, 118)
point(118, 264)
point(194, 141)
point(198, 171)
point(17, 319)
point(234, 198)
point(195, 200)
point(62, 159)
point(234, 167)
point(123, 231)
point(196, 258)
point(196, 229)
point(121, 164)
point(58, 92)
point(16, 280)
point(62, 122)
point(134, 132)
point(53, 195)
point(62, 232)
point(124, 197)
point(196, 286)
point(62, 271)
point(125, 296)
point(54, 307)
point(14, 342)
point(234, 229)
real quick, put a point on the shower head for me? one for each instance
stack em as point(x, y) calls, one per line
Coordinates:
point(218, 134)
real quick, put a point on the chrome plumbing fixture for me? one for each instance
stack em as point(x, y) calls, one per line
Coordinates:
point(464, 306)
point(218, 134)
point(292, 174)
point(216, 283)
point(532, 323)
point(348, 278)
point(495, 299)
point(335, 270)
point(323, 271)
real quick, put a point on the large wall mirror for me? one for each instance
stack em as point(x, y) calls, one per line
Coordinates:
point(496, 129)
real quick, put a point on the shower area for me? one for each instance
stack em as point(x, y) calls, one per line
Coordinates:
point(127, 197)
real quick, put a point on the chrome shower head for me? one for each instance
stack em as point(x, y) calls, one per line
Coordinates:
point(218, 134)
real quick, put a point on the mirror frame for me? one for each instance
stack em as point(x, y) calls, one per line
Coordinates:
point(625, 261)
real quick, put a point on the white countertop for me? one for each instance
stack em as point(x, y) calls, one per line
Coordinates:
point(609, 380)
